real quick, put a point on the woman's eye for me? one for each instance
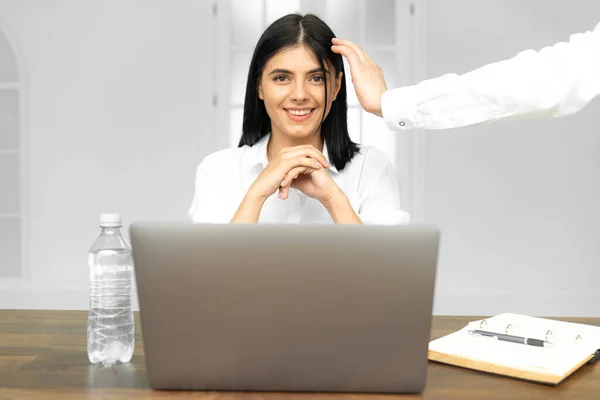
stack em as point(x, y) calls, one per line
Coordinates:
point(280, 78)
point(317, 78)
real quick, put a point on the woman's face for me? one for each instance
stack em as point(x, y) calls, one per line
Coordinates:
point(293, 90)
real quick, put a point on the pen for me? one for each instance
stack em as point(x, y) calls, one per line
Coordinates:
point(511, 338)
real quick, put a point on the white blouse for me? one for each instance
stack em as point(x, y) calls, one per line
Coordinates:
point(223, 178)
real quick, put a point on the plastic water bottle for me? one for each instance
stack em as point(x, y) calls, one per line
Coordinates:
point(110, 329)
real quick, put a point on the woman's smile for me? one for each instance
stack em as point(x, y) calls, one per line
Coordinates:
point(299, 114)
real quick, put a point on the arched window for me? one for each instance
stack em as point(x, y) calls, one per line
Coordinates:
point(11, 157)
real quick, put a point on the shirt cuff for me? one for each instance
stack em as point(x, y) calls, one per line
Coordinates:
point(398, 107)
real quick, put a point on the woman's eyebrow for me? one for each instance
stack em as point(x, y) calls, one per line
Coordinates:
point(312, 71)
point(285, 71)
point(280, 71)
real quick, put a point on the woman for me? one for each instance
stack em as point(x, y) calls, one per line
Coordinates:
point(295, 142)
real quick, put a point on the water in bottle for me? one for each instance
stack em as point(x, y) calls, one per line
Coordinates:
point(110, 330)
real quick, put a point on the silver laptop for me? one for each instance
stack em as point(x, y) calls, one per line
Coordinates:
point(335, 308)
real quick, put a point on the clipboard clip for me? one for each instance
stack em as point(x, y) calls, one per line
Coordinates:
point(595, 358)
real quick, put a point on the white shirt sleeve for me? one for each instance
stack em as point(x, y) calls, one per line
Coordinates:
point(205, 207)
point(557, 80)
point(380, 202)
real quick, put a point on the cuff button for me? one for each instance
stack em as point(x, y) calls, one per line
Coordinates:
point(401, 123)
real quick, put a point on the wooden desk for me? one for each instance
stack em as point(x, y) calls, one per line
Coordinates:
point(43, 355)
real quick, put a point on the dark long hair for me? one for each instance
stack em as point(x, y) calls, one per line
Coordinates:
point(289, 31)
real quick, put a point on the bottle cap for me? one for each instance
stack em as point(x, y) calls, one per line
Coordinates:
point(110, 220)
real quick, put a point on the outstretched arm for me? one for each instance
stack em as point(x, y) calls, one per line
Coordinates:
point(557, 80)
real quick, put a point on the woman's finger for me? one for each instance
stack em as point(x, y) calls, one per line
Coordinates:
point(293, 174)
point(307, 152)
point(299, 165)
point(289, 180)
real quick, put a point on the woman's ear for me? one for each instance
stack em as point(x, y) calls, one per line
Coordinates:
point(338, 85)
point(259, 89)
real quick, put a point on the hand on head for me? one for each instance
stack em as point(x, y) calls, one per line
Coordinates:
point(367, 76)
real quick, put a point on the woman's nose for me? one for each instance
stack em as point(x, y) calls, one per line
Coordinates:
point(299, 92)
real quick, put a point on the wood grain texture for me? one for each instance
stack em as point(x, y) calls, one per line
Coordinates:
point(43, 356)
point(501, 370)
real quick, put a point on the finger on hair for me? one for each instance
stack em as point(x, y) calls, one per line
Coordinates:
point(361, 54)
point(347, 52)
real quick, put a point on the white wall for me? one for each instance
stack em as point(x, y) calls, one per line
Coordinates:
point(118, 114)
point(118, 95)
point(517, 202)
